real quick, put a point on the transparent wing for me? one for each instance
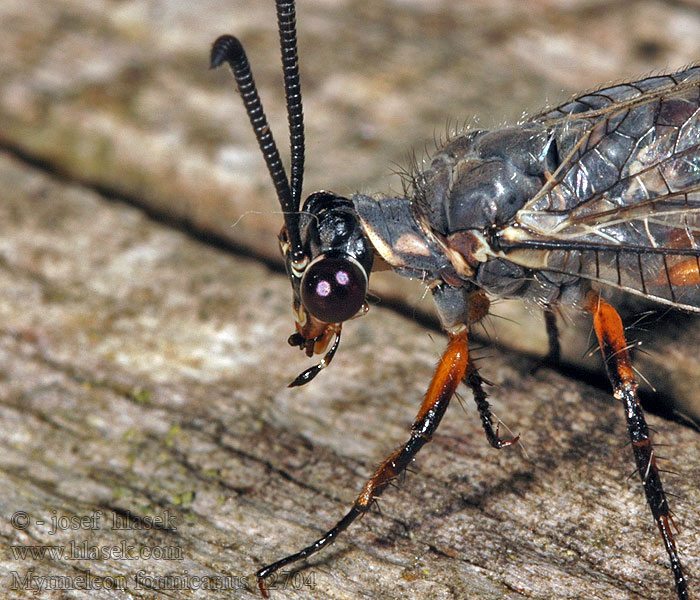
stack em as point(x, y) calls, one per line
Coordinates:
point(623, 206)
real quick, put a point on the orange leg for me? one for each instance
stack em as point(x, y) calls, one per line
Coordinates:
point(450, 371)
point(611, 337)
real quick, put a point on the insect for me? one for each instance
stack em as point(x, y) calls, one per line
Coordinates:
point(601, 192)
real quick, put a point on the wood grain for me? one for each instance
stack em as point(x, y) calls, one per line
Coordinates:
point(143, 366)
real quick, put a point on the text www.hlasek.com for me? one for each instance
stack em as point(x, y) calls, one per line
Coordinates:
point(85, 551)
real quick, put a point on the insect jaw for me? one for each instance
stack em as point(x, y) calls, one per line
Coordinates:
point(312, 335)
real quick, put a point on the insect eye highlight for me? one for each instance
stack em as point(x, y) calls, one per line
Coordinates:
point(333, 289)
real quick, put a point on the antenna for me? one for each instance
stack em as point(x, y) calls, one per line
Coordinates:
point(228, 48)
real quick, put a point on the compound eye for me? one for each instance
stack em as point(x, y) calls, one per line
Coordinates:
point(334, 289)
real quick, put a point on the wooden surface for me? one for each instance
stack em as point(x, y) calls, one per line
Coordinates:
point(118, 95)
point(143, 366)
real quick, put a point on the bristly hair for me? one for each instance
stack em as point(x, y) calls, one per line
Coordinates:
point(416, 164)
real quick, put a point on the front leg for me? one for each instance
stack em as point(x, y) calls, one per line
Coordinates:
point(611, 337)
point(449, 373)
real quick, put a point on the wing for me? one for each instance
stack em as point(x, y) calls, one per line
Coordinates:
point(623, 206)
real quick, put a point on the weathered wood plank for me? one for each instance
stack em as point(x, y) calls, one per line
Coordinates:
point(143, 372)
point(120, 96)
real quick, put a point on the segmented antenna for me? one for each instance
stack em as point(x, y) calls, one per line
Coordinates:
point(229, 49)
point(286, 21)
